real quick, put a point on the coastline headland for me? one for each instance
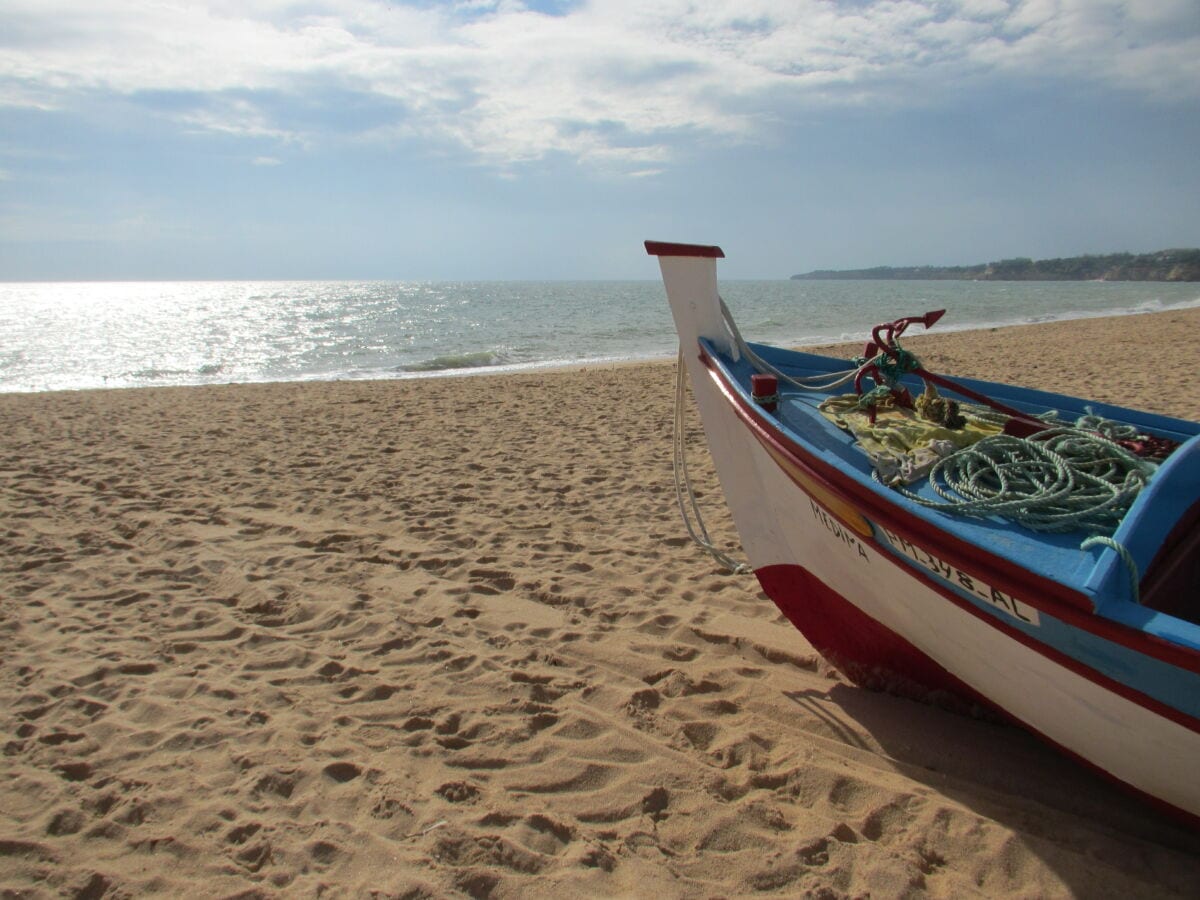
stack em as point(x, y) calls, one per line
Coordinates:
point(1162, 265)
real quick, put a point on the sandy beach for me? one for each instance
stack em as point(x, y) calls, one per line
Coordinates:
point(448, 637)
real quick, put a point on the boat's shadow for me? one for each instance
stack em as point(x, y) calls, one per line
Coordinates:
point(995, 770)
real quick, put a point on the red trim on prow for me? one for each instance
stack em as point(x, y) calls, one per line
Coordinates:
point(661, 248)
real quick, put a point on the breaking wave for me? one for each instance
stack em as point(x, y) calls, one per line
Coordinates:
point(479, 360)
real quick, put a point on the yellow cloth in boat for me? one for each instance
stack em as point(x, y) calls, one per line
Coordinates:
point(902, 446)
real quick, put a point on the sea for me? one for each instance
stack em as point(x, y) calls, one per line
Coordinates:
point(80, 336)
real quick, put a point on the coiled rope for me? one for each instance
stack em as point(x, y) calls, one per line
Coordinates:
point(683, 481)
point(1066, 479)
point(1063, 480)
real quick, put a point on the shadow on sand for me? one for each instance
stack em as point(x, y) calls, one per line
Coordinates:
point(1064, 813)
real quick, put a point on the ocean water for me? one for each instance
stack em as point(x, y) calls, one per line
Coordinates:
point(65, 336)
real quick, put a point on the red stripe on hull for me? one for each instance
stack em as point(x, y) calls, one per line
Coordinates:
point(866, 652)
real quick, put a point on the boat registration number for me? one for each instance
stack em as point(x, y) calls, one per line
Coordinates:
point(972, 584)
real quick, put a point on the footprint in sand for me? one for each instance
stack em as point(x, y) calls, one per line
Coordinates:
point(342, 772)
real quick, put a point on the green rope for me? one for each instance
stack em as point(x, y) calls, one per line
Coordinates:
point(1114, 431)
point(878, 394)
point(1131, 565)
point(1065, 480)
point(892, 369)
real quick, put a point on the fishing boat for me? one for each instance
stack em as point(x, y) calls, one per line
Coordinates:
point(977, 544)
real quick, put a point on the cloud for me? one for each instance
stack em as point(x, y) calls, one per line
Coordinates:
point(611, 83)
point(238, 117)
point(1150, 47)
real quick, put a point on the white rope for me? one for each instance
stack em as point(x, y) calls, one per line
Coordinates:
point(813, 383)
point(683, 481)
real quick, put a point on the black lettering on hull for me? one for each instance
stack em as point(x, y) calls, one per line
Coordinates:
point(956, 577)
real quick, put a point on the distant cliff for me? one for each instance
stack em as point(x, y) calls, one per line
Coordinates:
point(1165, 265)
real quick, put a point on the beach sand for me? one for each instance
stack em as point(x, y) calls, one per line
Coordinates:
point(448, 637)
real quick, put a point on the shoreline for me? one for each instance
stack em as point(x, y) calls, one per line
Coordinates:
point(843, 348)
point(447, 637)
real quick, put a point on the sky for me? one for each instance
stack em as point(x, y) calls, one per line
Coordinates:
point(495, 139)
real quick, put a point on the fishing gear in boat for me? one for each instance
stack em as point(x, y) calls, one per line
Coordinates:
point(980, 457)
point(1045, 474)
point(1040, 472)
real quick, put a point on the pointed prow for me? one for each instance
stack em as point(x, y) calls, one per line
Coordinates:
point(689, 274)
